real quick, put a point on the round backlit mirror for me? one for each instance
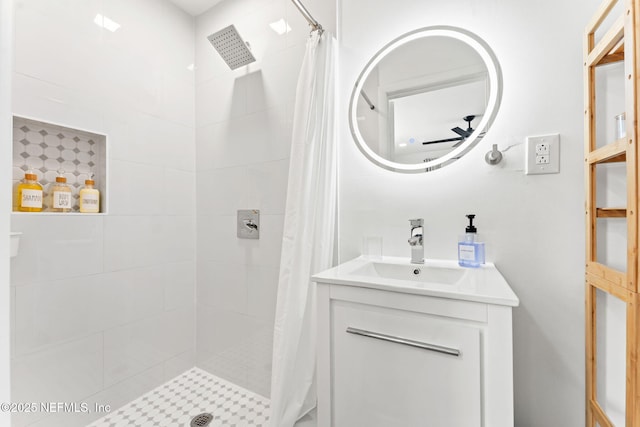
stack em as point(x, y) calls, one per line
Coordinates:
point(425, 99)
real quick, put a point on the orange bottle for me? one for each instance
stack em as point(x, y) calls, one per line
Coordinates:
point(28, 194)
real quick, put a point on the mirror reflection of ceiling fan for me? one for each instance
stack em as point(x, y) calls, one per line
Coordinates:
point(463, 134)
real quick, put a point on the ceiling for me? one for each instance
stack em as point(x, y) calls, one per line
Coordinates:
point(195, 7)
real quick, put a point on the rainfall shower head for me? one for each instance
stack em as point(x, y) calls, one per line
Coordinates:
point(231, 47)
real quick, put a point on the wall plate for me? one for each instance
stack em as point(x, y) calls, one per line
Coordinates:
point(248, 224)
point(542, 154)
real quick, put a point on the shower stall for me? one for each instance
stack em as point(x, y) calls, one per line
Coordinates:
point(156, 299)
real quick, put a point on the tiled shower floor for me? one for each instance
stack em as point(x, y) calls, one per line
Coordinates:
point(175, 403)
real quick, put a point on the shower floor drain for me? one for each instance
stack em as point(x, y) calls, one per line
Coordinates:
point(201, 420)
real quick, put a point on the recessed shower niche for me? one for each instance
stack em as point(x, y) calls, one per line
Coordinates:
point(49, 149)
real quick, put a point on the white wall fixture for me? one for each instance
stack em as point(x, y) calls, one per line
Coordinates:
point(15, 243)
point(248, 224)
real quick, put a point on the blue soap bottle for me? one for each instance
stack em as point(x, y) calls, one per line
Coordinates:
point(470, 250)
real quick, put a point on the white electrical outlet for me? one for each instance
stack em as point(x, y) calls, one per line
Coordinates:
point(542, 148)
point(542, 154)
point(542, 159)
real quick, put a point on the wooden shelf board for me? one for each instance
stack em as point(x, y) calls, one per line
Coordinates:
point(600, 270)
point(611, 212)
point(608, 280)
point(607, 44)
point(615, 152)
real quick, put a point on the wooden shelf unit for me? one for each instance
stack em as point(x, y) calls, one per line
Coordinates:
point(619, 43)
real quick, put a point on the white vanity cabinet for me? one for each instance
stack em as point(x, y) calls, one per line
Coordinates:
point(399, 357)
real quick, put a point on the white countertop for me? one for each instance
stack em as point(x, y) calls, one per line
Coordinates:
point(484, 284)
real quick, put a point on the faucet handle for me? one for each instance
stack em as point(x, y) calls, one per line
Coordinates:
point(418, 222)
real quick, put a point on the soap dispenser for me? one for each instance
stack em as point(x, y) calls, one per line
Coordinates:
point(470, 250)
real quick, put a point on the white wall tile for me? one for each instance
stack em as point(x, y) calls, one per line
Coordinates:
point(222, 191)
point(275, 83)
point(64, 373)
point(178, 238)
point(262, 291)
point(70, 47)
point(222, 285)
point(267, 186)
point(179, 364)
point(217, 240)
point(179, 285)
point(220, 99)
point(224, 342)
point(130, 349)
point(138, 241)
point(257, 137)
point(114, 396)
point(54, 312)
point(177, 97)
point(56, 246)
point(143, 138)
point(133, 241)
point(124, 296)
point(260, 359)
point(12, 320)
point(179, 192)
point(136, 189)
point(42, 100)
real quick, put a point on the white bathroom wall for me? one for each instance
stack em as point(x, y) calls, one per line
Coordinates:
point(243, 133)
point(103, 306)
point(6, 54)
point(533, 225)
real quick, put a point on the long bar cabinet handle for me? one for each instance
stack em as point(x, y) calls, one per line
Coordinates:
point(405, 341)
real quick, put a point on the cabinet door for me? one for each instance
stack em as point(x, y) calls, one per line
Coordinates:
point(380, 383)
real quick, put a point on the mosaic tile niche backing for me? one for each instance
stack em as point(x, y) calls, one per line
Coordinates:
point(45, 149)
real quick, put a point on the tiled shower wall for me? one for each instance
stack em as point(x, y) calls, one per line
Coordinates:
point(103, 306)
point(243, 134)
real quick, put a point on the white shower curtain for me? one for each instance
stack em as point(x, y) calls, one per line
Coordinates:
point(309, 224)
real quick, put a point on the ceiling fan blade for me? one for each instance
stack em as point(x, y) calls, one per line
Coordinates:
point(463, 133)
point(443, 140)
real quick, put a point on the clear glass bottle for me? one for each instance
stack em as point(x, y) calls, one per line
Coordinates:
point(60, 198)
point(28, 194)
point(89, 197)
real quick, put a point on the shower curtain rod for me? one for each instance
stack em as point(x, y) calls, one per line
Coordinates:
point(310, 19)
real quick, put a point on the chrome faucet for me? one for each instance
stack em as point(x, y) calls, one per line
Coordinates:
point(415, 241)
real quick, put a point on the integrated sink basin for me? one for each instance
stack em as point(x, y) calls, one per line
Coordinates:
point(413, 272)
point(442, 278)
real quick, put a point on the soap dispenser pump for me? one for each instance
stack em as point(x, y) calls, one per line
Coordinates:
point(470, 250)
